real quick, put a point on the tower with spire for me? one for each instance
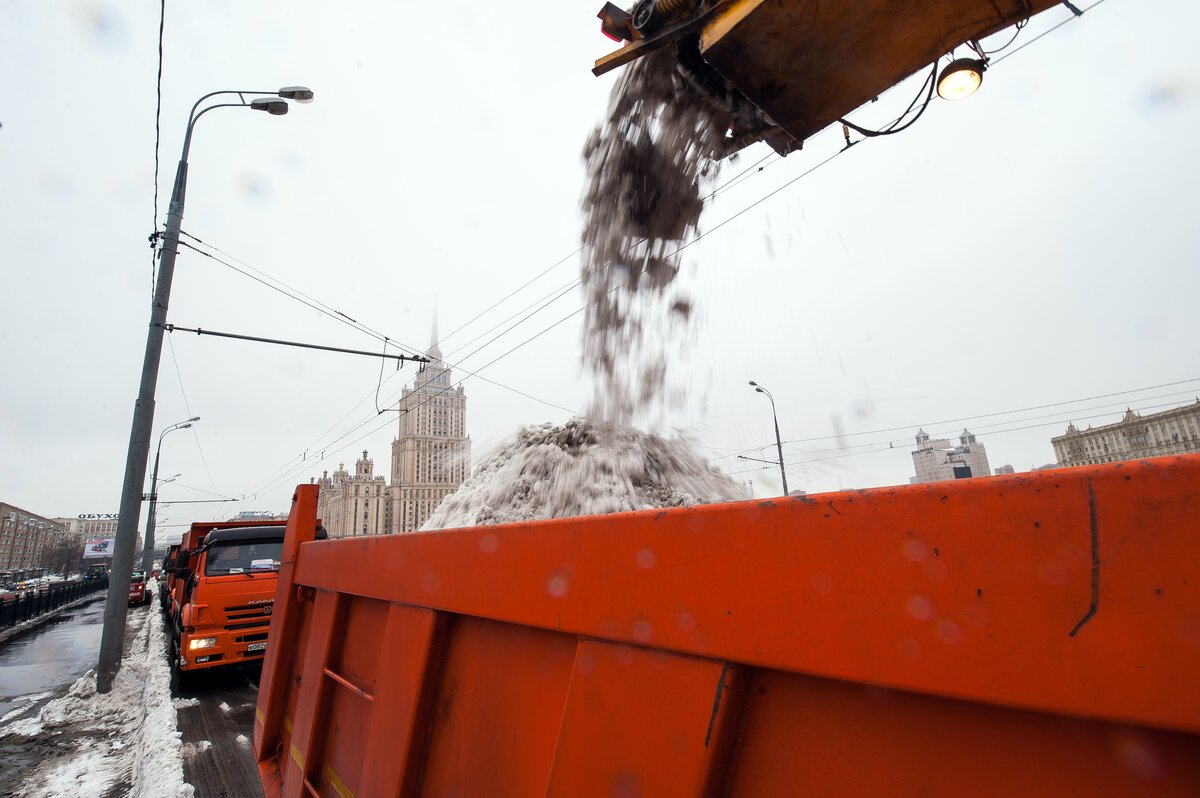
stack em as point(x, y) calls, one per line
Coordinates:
point(431, 455)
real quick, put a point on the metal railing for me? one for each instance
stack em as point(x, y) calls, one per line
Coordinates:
point(17, 608)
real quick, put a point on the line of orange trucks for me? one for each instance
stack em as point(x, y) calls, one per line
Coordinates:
point(218, 593)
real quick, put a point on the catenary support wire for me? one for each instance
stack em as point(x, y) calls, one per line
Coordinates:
point(280, 342)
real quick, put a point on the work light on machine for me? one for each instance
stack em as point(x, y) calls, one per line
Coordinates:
point(961, 78)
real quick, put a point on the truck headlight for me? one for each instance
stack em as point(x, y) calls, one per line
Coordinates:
point(201, 642)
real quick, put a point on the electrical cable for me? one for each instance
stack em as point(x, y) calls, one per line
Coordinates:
point(932, 84)
point(299, 344)
point(329, 310)
point(995, 432)
point(282, 480)
point(341, 317)
point(962, 419)
point(900, 443)
point(509, 295)
point(162, 18)
point(327, 454)
point(1046, 32)
point(200, 490)
point(319, 307)
point(187, 406)
point(1020, 26)
point(729, 184)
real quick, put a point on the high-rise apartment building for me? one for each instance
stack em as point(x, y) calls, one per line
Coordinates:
point(26, 538)
point(935, 459)
point(1175, 431)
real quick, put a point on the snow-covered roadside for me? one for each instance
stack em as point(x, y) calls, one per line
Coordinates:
point(126, 739)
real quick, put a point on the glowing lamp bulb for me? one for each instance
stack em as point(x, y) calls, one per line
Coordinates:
point(960, 79)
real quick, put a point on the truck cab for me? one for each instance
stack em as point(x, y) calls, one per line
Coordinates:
point(224, 598)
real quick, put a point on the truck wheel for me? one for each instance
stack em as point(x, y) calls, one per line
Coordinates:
point(180, 679)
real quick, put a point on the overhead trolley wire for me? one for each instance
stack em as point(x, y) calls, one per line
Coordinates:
point(883, 447)
point(557, 293)
point(282, 480)
point(962, 419)
point(1046, 32)
point(162, 18)
point(187, 406)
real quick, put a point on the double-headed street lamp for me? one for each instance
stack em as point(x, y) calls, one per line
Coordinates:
point(148, 538)
point(115, 609)
point(778, 442)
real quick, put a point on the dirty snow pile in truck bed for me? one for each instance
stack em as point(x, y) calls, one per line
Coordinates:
point(578, 468)
point(122, 743)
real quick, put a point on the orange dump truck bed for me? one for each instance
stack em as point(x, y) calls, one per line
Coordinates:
point(1036, 634)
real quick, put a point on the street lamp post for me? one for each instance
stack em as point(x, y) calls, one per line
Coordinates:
point(116, 607)
point(148, 538)
point(778, 442)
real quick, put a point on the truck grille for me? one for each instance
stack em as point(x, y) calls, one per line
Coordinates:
point(248, 611)
point(233, 627)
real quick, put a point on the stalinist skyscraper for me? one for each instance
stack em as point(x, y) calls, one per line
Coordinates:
point(432, 455)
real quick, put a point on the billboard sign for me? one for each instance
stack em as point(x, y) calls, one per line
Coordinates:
point(98, 547)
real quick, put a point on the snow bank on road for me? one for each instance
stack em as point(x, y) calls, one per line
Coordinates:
point(126, 738)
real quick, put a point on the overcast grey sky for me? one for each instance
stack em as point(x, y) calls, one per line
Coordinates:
point(1032, 245)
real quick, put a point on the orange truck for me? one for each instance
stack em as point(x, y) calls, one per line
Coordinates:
point(1028, 634)
point(166, 577)
point(224, 576)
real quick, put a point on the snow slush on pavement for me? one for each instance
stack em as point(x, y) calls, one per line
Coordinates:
point(121, 744)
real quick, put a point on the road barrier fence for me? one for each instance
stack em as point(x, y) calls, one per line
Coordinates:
point(16, 608)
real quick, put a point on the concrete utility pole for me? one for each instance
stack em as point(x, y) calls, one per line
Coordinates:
point(117, 606)
point(778, 442)
point(148, 538)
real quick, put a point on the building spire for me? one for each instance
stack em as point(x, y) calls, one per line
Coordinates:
point(434, 352)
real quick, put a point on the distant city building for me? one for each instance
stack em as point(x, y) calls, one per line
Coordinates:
point(27, 539)
point(354, 505)
point(1175, 431)
point(259, 515)
point(73, 527)
point(935, 459)
point(430, 458)
point(98, 525)
point(1002, 470)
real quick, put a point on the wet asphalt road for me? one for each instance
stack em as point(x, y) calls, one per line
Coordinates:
point(217, 732)
point(35, 667)
point(49, 658)
point(216, 715)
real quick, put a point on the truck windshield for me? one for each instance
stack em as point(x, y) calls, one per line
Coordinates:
point(243, 557)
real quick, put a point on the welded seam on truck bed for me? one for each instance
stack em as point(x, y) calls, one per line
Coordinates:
point(717, 701)
point(1095, 561)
